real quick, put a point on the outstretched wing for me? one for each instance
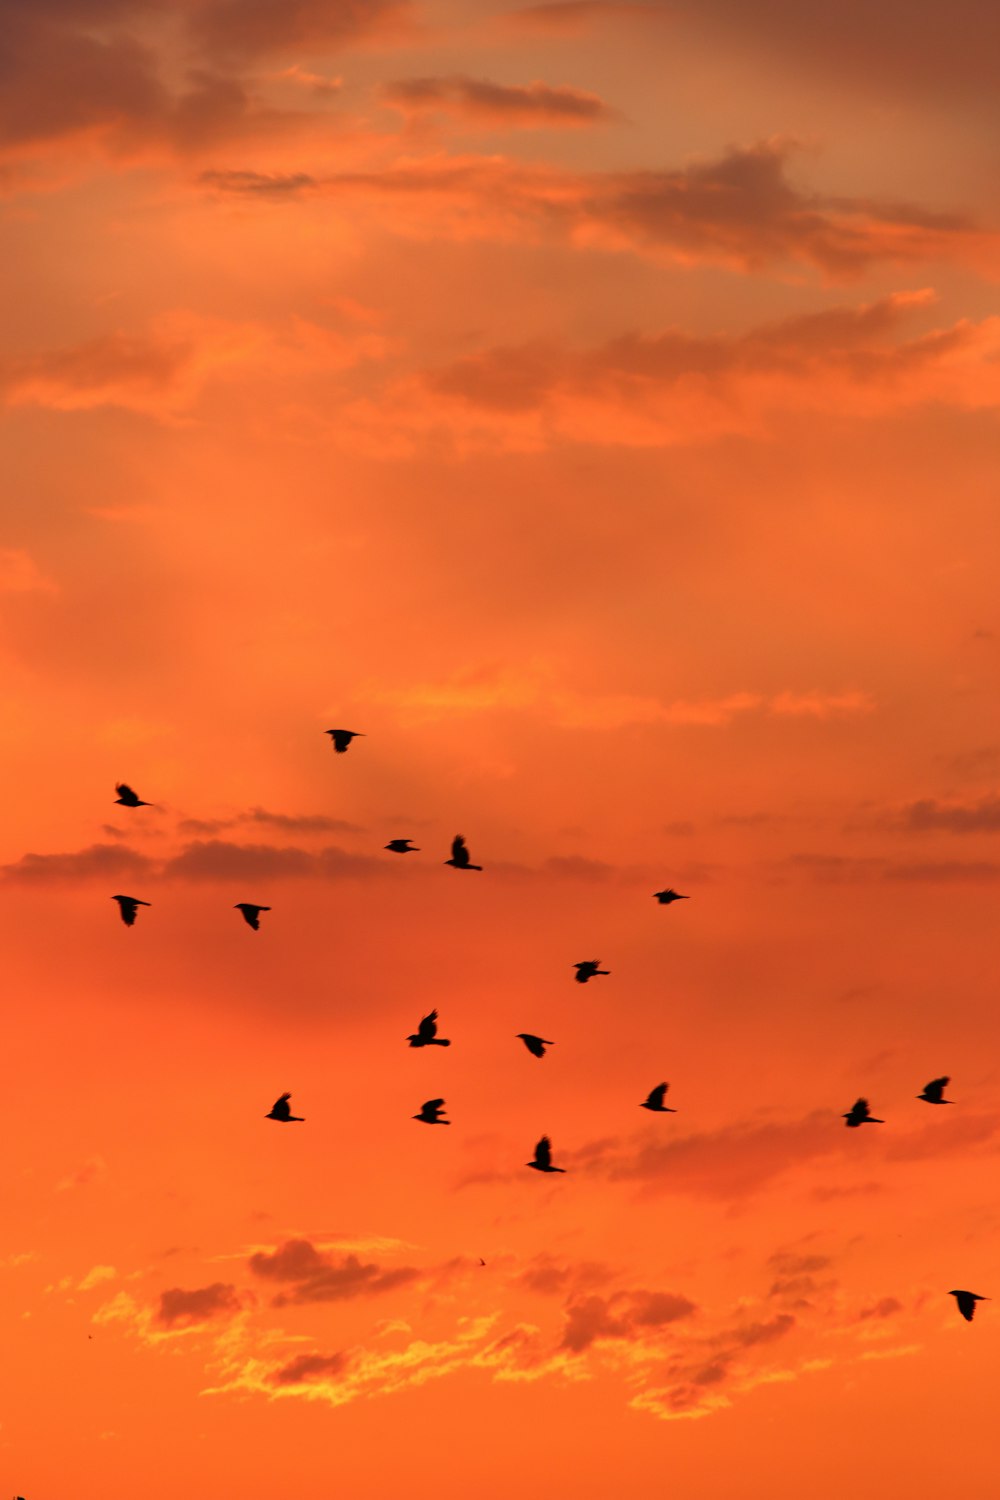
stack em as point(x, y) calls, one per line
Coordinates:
point(434, 1104)
point(459, 852)
point(656, 1095)
point(281, 1109)
point(124, 790)
point(427, 1029)
point(543, 1152)
point(936, 1087)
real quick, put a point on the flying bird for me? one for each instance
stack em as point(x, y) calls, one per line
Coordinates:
point(967, 1303)
point(342, 738)
point(128, 906)
point(588, 969)
point(665, 897)
point(426, 1033)
point(655, 1100)
point(402, 846)
point(543, 1157)
point(933, 1091)
point(460, 855)
point(281, 1110)
point(251, 913)
point(858, 1115)
point(536, 1045)
point(127, 798)
point(431, 1113)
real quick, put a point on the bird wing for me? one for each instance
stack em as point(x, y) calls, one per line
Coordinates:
point(937, 1086)
point(428, 1027)
point(543, 1152)
point(656, 1095)
point(281, 1107)
point(434, 1104)
point(459, 853)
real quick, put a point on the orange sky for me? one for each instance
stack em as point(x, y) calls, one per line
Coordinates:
point(595, 405)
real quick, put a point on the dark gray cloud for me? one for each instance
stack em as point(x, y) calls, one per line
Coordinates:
point(286, 822)
point(306, 1367)
point(478, 100)
point(313, 1276)
point(180, 1307)
point(243, 31)
point(624, 1315)
point(96, 862)
point(979, 817)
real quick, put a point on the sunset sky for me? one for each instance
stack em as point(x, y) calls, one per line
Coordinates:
point(594, 404)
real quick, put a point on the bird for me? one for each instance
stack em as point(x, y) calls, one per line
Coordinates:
point(536, 1045)
point(128, 906)
point(430, 1113)
point(251, 913)
point(967, 1302)
point(933, 1091)
point(665, 897)
point(588, 969)
point(543, 1157)
point(426, 1033)
point(460, 855)
point(342, 738)
point(127, 798)
point(281, 1110)
point(402, 846)
point(655, 1100)
point(858, 1115)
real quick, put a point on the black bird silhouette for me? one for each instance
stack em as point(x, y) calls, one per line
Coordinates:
point(426, 1033)
point(402, 846)
point(967, 1303)
point(665, 897)
point(543, 1157)
point(460, 855)
point(127, 798)
point(342, 738)
point(251, 913)
point(933, 1091)
point(858, 1114)
point(128, 906)
point(536, 1045)
point(281, 1110)
point(430, 1113)
point(588, 969)
point(655, 1100)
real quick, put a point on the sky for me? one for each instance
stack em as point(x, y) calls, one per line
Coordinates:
point(594, 406)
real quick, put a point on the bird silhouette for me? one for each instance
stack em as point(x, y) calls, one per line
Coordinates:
point(933, 1091)
point(426, 1033)
point(665, 897)
point(402, 846)
point(128, 906)
point(543, 1157)
point(460, 855)
point(127, 798)
point(967, 1303)
point(430, 1113)
point(536, 1045)
point(588, 969)
point(342, 738)
point(858, 1115)
point(281, 1110)
point(251, 913)
point(655, 1100)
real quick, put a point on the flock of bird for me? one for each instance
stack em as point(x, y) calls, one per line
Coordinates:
point(431, 1112)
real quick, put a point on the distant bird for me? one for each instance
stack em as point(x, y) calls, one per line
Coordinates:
point(655, 1100)
point(460, 855)
point(933, 1091)
point(481, 1261)
point(665, 897)
point(281, 1110)
point(430, 1113)
point(967, 1303)
point(127, 798)
point(402, 846)
point(251, 913)
point(543, 1157)
point(128, 906)
point(426, 1033)
point(536, 1045)
point(342, 738)
point(588, 969)
point(858, 1115)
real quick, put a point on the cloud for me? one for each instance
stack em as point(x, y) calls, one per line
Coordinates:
point(241, 31)
point(219, 860)
point(20, 574)
point(739, 210)
point(493, 105)
point(95, 1277)
point(183, 1308)
point(571, 17)
point(841, 869)
point(98, 861)
point(885, 1308)
point(315, 1277)
point(287, 822)
point(307, 1367)
point(981, 817)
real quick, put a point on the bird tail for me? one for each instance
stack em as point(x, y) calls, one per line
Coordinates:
point(438, 1041)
